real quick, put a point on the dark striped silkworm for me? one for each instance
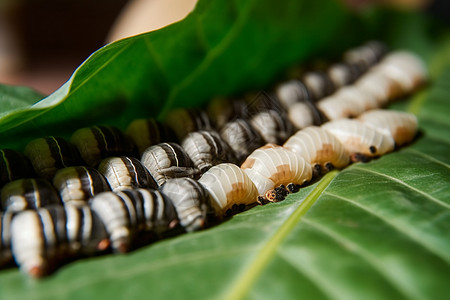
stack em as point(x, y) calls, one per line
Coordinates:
point(30, 193)
point(76, 185)
point(129, 212)
point(50, 154)
point(98, 142)
point(41, 238)
point(126, 173)
point(168, 160)
point(190, 200)
point(14, 165)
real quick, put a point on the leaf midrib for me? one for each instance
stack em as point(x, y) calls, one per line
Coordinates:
point(245, 280)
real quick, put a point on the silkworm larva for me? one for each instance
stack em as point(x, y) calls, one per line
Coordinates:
point(230, 189)
point(76, 185)
point(5, 237)
point(222, 110)
point(148, 132)
point(347, 102)
point(401, 126)
point(300, 115)
point(125, 173)
point(190, 200)
point(361, 141)
point(241, 137)
point(29, 193)
point(183, 121)
point(131, 211)
point(318, 147)
point(41, 238)
point(342, 74)
point(50, 154)
point(168, 160)
point(291, 92)
point(14, 165)
point(272, 126)
point(271, 166)
point(207, 149)
point(95, 143)
point(319, 84)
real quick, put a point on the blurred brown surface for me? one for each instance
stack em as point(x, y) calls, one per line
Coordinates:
point(53, 37)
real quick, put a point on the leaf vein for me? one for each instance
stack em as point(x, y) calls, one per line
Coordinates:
point(397, 226)
point(427, 196)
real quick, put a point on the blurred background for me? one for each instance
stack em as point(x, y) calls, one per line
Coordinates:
point(43, 41)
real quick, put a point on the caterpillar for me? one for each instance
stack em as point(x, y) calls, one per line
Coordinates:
point(186, 185)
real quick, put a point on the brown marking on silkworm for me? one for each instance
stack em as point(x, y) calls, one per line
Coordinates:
point(236, 193)
point(283, 172)
point(248, 163)
point(403, 135)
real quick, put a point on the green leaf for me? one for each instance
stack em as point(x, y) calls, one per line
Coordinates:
point(223, 47)
point(371, 231)
point(16, 97)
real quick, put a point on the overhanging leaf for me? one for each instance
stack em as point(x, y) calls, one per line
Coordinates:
point(223, 47)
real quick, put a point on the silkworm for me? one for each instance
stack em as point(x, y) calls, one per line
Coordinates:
point(207, 149)
point(230, 189)
point(222, 110)
point(291, 92)
point(319, 148)
point(272, 126)
point(361, 141)
point(342, 74)
point(29, 193)
point(41, 238)
point(271, 166)
point(241, 137)
point(98, 142)
point(125, 173)
point(147, 132)
point(76, 185)
point(182, 121)
point(190, 200)
point(401, 126)
point(128, 212)
point(347, 102)
point(50, 154)
point(318, 83)
point(366, 55)
point(5, 237)
point(301, 115)
point(14, 165)
point(168, 160)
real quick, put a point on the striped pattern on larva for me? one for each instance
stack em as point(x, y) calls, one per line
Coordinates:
point(241, 137)
point(168, 160)
point(98, 142)
point(125, 173)
point(360, 141)
point(271, 166)
point(401, 126)
point(190, 200)
point(301, 115)
point(40, 238)
point(318, 147)
point(207, 149)
point(132, 211)
point(76, 185)
point(230, 189)
point(29, 193)
point(5, 237)
point(182, 121)
point(272, 126)
point(147, 132)
point(14, 165)
point(50, 154)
